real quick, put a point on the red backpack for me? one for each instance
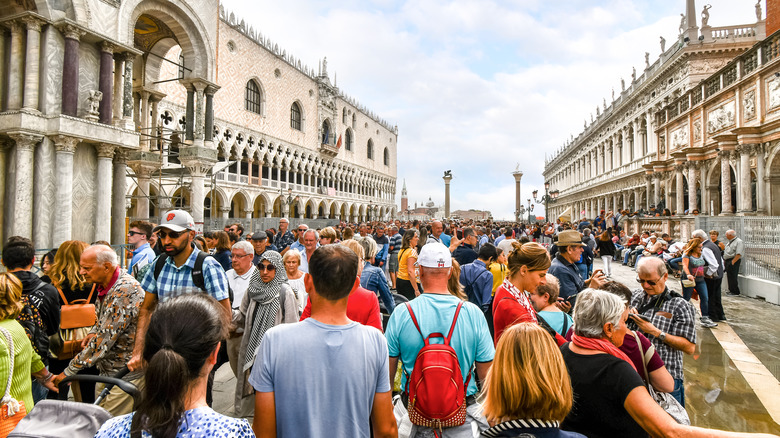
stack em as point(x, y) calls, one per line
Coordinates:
point(437, 394)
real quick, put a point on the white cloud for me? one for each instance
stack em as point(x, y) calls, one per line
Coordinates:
point(477, 86)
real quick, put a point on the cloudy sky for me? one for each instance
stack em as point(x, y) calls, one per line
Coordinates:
point(478, 86)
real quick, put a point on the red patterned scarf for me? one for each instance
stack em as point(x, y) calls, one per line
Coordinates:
point(601, 345)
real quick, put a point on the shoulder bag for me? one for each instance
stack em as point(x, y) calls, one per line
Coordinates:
point(664, 399)
point(12, 411)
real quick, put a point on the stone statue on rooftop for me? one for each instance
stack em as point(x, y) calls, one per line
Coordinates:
point(613, 94)
point(633, 74)
point(663, 44)
point(622, 84)
point(758, 10)
point(705, 15)
point(647, 59)
point(682, 23)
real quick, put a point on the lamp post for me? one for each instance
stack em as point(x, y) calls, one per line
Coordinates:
point(549, 197)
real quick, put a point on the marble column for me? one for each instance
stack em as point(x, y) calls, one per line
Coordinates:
point(637, 203)
point(4, 148)
point(679, 200)
point(761, 194)
point(3, 78)
point(127, 92)
point(518, 175)
point(44, 186)
point(692, 167)
point(200, 107)
point(155, 119)
point(209, 128)
point(23, 193)
point(744, 200)
point(143, 119)
point(143, 176)
point(105, 154)
point(70, 70)
point(725, 182)
point(650, 199)
point(16, 69)
point(32, 64)
point(225, 212)
point(656, 190)
point(118, 201)
point(119, 89)
point(197, 191)
point(63, 212)
point(189, 125)
point(625, 205)
point(105, 82)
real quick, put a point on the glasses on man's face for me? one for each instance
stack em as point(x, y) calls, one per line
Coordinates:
point(270, 268)
point(133, 233)
point(171, 234)
point(302, 229)
point(651, 283)
point(239, 256)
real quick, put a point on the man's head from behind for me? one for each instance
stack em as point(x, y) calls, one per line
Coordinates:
point(18, 253)
point(333, 269)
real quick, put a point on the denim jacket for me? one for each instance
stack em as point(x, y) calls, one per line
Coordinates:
point(374, 279)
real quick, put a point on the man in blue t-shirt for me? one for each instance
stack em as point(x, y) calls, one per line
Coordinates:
point(434, 310)
point(327, 375)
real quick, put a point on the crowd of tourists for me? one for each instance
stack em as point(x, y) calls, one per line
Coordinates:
point(377, 329)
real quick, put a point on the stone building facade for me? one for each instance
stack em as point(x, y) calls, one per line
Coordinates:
point(700, 118)
point(114, 109)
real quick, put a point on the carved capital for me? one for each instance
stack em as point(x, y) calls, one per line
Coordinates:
point(105, 150)
point(745, 148)
point(71, 31)
point(120, 156)
point(107, 47)
point(25, 141)
point(65, 144)
point(15, 27)
point(32, 23)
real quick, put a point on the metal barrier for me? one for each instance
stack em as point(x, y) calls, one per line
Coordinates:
point(761, 236)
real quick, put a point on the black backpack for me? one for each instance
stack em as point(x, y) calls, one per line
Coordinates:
point(197, 271)
point(30, 319)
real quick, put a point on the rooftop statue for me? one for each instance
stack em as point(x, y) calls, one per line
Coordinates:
point(758, 10)
point(705, 15)
point(647, 59)
point(663, 44)
point(682, 23)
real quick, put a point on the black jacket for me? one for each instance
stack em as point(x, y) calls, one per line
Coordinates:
point(45, 298)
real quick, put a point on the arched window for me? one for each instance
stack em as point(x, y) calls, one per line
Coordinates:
point(370, 149)
point(254, 99)
point(354, 121)
point(295, 116)
point(344, 116)
point(387, 157)
point(348, 139)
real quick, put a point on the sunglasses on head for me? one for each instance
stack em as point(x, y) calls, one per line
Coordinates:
point(171, 234)
point(270, 268)
point(651, 283)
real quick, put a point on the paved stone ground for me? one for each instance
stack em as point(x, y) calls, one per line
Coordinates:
point(717, 394)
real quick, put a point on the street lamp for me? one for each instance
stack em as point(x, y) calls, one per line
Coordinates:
point(548, 198)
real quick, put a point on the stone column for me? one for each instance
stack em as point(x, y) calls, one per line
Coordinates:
point(518, 175)
point(119, 88)
point(447, 178)
point(725, 182)
point(225, 212)
point(43, 193)
point(656, 190)
point(209, 129)
point(625, 205)
point(127, 93)
point(32, 63)
point(105, 153)
point(63, 212)
point(4, 148)
point(118, 201)
point(189, 125)
point(3, 79)
point(155, 119)
point(761, 195)
point(744, 201)
point(105, 83)
point(692, 199)
point(200, 107)
point(637, 204)
point(70, 70)
point(23, 193)
point(197, 191)
point(143, 176)
point(650, 201)
point(143, 119)
point(679, 200)
point(16, 69)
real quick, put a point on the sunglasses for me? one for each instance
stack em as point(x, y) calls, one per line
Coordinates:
point(236, 256)
point(270, 268)
point(302, 229)
point(171, 234)
point(133, 233)
point(651, 283)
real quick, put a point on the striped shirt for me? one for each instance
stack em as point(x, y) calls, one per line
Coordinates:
point(174, 281)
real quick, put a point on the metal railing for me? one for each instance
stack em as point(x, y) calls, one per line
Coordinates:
point(761, 236)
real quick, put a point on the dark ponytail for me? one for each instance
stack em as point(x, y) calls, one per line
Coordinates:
point(182, 333)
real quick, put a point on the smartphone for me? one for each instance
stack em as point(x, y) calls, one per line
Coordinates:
point(597, 271)
point(459, 233)
point(570, 297)
point(636, 315)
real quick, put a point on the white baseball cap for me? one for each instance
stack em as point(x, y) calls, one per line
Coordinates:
point(177, 221)
point(435, 255)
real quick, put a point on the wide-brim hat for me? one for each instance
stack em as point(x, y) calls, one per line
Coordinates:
point(570, 238)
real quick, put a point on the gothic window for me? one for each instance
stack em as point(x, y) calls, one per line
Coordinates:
point(370, 150)
point(295, 116)
point(354, 121)
point(344, 116)
point(387, 157)
point(348, 139)
point(254, 98)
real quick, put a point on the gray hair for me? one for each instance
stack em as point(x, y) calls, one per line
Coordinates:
point(370, 247)
point(731, 233)
point(244, 246)
point(647, 264)
point(595, 308)
point(311, 230)
point(290, 254)
point(104, 254)
point(700, 234)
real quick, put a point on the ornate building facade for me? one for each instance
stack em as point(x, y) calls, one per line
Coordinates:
point(113, 109)
point(697, 131)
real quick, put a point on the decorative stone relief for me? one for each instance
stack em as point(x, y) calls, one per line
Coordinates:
point(662, 144)
point(93, 105)
point(749, 104)
point(721, 117)
point(773, 88)
point(679, 138)
point(697, 130)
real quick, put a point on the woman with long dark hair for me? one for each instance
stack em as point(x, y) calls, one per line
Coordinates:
point(181, 348)
point(222, 250)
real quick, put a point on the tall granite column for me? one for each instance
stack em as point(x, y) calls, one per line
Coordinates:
point(127, 93)
point(23, 194)
point(447, 178)
point(725, 182)
point(32, 63)
point(119, 89)
point(189, 125)
point(118, 202)
point(692, 200)
point(105, 153)
point(16, 69)
point(745, 200)
point(70, 70)
point(105, 82)
point(761, 195)
point(650, 196)
point(518, 175)
point(63, 212)
point(679, 200)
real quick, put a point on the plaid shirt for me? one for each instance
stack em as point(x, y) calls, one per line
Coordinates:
point(682, 324)
point(282, 241)
point(174, 281)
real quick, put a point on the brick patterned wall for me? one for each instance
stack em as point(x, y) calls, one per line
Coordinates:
point(772, 16)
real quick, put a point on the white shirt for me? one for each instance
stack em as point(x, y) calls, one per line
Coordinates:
point(239, 284)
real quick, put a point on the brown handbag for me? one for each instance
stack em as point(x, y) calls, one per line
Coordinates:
point(76, 319)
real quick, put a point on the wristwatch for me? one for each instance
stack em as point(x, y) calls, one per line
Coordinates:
point(662, 336)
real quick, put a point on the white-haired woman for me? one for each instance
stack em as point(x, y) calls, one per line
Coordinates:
point(292, 265)
point(612, 399)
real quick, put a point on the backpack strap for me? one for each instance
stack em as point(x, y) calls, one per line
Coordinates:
point(197, 270)
point(414, 320)
point(89, 298)
point(65, 300)
point(454, 320)
point(159, 264)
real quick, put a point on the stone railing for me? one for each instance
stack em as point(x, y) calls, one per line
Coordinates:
point(679, 227)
